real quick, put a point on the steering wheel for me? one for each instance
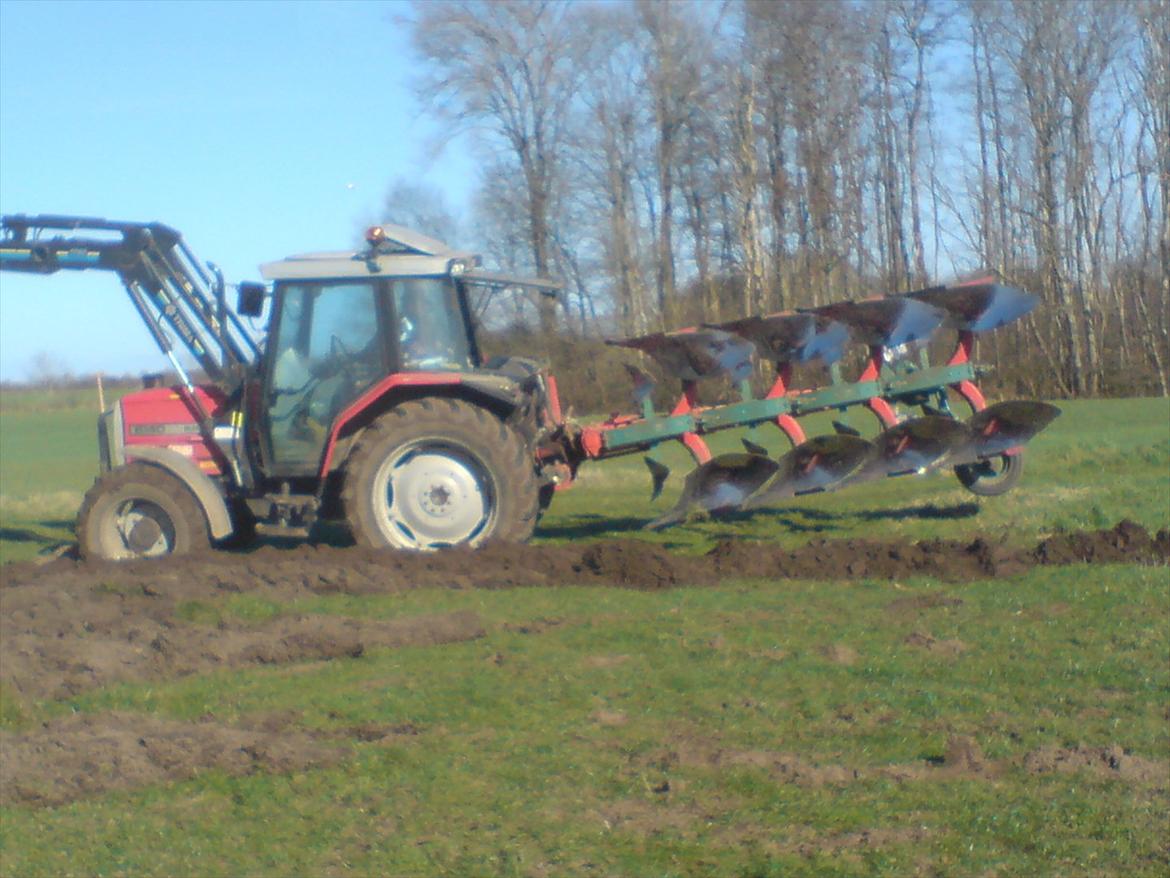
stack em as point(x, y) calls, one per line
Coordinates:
point(337, 348)
point(350, 366)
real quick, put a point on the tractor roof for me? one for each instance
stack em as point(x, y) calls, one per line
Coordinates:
point(399, 252)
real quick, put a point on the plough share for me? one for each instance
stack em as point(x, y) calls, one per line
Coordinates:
point(985, 450)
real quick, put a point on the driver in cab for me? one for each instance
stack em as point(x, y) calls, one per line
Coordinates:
point(424, 327)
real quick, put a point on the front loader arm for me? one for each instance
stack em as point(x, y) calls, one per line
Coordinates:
point(165, 282)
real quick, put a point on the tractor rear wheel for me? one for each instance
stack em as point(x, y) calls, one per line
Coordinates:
point(434, 473)
point(140, 511)
point(992, 477)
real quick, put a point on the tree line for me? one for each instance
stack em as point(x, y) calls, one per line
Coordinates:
point(693, 160)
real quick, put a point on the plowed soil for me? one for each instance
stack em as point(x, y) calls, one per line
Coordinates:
point(89, 754)
point(68, 626)
point(284, 573)
point(963, 758)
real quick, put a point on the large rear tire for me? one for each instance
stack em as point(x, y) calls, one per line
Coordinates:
point(140, 511)
point(435, 473)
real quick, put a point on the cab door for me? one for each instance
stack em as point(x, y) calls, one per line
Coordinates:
point(326, 347)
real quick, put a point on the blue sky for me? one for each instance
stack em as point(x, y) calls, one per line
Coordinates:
point(258, 129)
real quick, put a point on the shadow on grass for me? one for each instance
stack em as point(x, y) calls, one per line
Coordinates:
point(823, 519)
point(328, 533)
point(803, 522)
point(21, 535)
point(820, 521)
point(53, 534)
point(46, 533)
point(47, 540)
point(590, 525)
point(930, 511)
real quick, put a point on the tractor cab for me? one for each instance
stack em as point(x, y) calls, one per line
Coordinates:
point(366, 399)
point(342, 323)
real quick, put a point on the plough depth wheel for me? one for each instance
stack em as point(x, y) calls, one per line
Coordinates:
point(992, 477)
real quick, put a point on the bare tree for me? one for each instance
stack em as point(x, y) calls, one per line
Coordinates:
point(48, 370)
point(611, 149)
point(921, 28)
point(674, 86)
point(510, 69)
point(1153, 74)
point(745, 162)
point(684, 160)
point(806, 59)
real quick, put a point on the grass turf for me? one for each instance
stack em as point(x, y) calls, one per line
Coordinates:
point(565, 751)
point(643, 733)
point(1101, 461)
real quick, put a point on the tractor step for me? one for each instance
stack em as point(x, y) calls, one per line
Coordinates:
point(284, 514)
point(279, 530)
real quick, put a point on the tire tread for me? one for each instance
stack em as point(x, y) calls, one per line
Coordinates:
point(509, 458)
point(196, 534)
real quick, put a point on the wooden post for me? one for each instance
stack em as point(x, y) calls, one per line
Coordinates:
point(101, 394)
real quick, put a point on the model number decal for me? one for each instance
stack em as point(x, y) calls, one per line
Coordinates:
point(162, 429)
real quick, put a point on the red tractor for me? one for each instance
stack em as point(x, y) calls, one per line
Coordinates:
point(367, 400)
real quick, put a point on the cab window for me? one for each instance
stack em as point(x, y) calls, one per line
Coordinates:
point(432, 332)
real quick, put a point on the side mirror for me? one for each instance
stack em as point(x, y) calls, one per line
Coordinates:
point(250, 301)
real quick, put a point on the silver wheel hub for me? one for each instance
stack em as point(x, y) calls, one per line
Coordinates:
point(143, 529)
point(429, 497)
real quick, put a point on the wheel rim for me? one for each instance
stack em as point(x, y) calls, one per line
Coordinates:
point(430, 496)
point(987, 473)
point(138, 528)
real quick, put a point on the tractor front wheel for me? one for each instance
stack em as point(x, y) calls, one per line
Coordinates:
point(434, 473)
point(140, 511)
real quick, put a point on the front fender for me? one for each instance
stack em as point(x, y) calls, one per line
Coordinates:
point(219, 520)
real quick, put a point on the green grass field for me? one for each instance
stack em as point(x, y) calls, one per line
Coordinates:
point(1101, 461)
point(750, 728)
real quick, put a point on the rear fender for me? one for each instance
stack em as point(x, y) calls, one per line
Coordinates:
point(219, 520)
point(387, 393)
point(500, 393)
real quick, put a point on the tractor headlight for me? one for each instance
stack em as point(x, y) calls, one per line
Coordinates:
point(456, 267)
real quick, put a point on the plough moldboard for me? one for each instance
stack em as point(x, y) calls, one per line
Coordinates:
point(984, 449)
